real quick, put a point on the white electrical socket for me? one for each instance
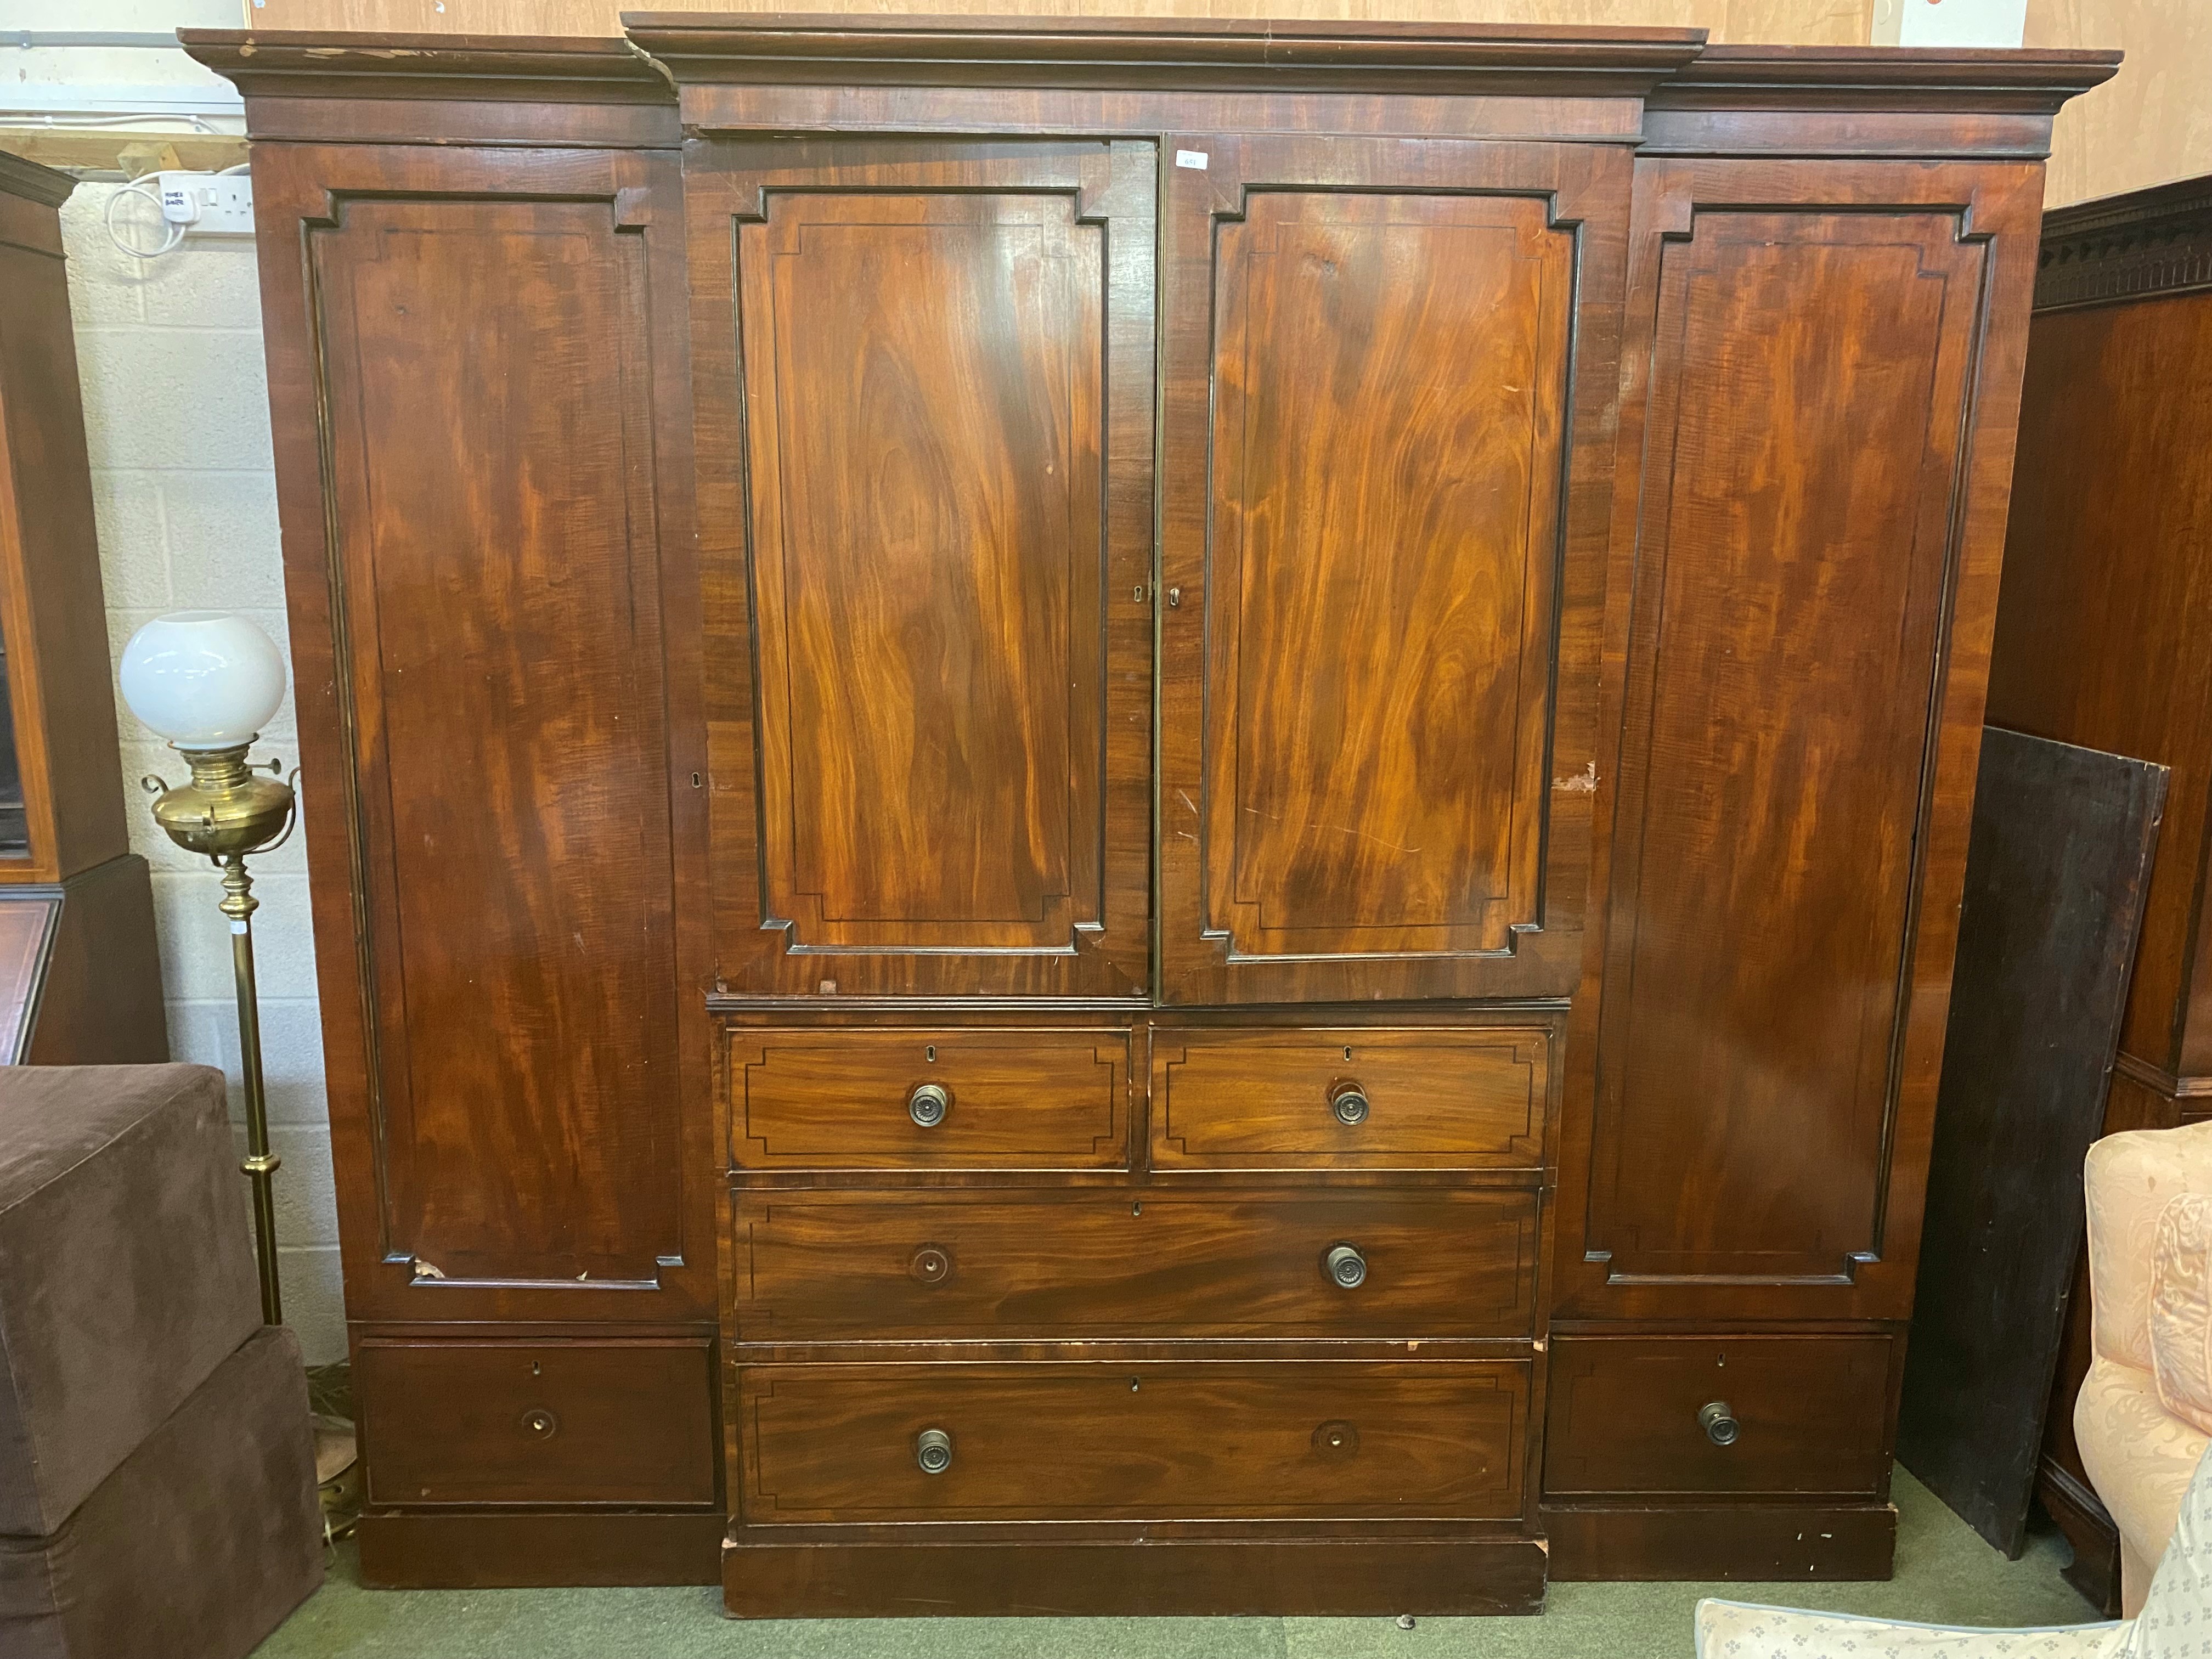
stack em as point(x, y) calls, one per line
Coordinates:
point(208, 204)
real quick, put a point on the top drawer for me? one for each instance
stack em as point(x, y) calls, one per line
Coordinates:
point(955, 1098)
point(1351, 1097)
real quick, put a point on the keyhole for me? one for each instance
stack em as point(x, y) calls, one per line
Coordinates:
point(929, 1053)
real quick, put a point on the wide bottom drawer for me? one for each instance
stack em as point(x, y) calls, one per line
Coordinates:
point(1150, 1441)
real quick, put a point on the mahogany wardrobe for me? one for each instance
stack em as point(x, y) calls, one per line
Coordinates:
point(1136, 817)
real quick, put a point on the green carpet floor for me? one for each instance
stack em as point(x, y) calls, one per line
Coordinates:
point(1945, 1574)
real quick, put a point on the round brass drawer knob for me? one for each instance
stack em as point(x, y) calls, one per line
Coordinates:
point(1349, 1102)
point(540, 1424)
point(1718, 1420)
point(931, 1265)
point(932, 1451)
point(1344, 1266)
point(928, 1105)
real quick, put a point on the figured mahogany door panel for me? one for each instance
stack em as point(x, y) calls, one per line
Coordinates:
point(1790, 816)
point(948, 561)
point(487, 367)
point(961, 1097)
point(1430, 1262)
point(1368, 529)
point(1629, 1416)
point(1140, 1441)
point(1355, 1097)
point(619, 1422)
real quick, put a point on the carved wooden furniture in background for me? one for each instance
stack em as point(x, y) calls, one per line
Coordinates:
point(2105, 639)
point(80, 983)
point(1247, 747)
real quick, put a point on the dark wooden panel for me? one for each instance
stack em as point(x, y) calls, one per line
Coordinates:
point(1821, 433)
point(2101, 634)
point(1375, 769)
point(930, 775)
point(2055, 876)
point(1757, 1543)
point(1224, 1440)
point(98, 998)
point(948, 1266)
point(1147, 1576)
point(444, 1550)
point(496, 546)
point(1433, 1098)
point(449, 1422)
point(1623, 1415)
point(1016, 1098)
point(55, 690)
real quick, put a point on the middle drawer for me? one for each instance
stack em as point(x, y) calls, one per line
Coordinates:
point(820, 1264)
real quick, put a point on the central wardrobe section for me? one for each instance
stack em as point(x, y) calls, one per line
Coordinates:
point(1224, 1226)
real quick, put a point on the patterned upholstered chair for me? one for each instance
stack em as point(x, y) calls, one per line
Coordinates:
point(157, 1473)
point(2144, 1413)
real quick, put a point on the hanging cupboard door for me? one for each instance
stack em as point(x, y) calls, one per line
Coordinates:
point(1826, 377)
point(1385, 359)
point(925, 392)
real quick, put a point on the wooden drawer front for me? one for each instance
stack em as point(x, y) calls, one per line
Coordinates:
point(817, 1265)
point(1813, 1411)
point(447, 1422)
point(1014, 1099)
point(1270, 1099)
point(1159, 1441)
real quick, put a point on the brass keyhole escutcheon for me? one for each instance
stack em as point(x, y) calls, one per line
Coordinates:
point(1336, 1438)
point(539, 1423)
point(1349, 1102)
point(931, 1264)
point(928, 1105)
point(1718, 1420)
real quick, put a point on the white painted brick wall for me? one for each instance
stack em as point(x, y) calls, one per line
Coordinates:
point(176, 411)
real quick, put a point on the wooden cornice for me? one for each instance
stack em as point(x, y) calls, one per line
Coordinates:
point(1670, 68)
point(1882, 78)
point(33, 183)
point(2146, 243)
point(1198, 54)
point(311, 64)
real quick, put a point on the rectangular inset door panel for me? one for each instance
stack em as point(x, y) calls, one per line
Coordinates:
point(1368, 581)
point(1778, 945)
point(936, 560)
point(487, 371)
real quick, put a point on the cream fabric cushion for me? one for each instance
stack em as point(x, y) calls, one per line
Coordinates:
point(2181, 1309)
point(2176, 1622)
point(1734, 1630)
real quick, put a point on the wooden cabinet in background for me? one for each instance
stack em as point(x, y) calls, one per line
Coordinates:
point(2105, 640)
point(80, 982)
point(1247, 747)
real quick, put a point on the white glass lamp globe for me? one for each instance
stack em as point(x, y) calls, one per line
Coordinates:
point(203, 679)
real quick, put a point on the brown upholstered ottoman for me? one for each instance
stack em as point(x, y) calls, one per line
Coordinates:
point(157, 1472)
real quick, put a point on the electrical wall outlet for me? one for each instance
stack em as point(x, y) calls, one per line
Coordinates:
point(208, 204)
point(1949, 22)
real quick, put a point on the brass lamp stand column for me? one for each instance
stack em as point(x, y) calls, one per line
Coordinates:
point(228, 810)
point(209, 681)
